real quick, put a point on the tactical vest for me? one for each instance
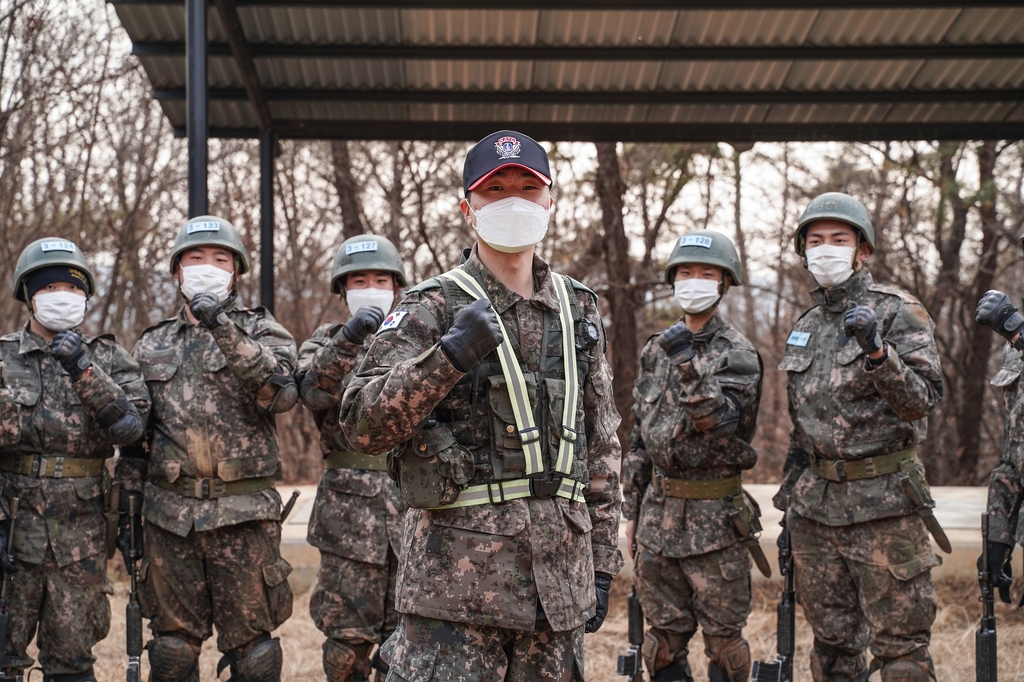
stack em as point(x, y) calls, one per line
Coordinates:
point(483, 455)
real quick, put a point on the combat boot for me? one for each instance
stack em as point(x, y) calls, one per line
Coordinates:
point(347, 661)
point(676, 671)
point(172, 659)
point(730, 659)
point(261, 661)
point(832, 664)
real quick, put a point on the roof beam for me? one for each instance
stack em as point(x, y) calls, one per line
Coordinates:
point(583, 5)
point(471, 131)
point(243, 58)
point(609, 97)
point(592, 53)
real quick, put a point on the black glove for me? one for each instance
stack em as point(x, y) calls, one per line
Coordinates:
point(206, 308)
point(6, 566)
point(313, 396)
point(861, 324)
point(603, 585)
point(365, 322)
point(473, 335)
point(68, 349)
point(1000, 571)
point(997, 313)
point(677, 342)
point(124, 529)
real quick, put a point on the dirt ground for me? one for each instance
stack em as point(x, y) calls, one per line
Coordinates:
point(952, 638)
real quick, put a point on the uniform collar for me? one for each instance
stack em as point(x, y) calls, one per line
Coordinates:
point(182, 321)
point(30, 341)
point(709, 329)
point(502, 298)
point(840, 297)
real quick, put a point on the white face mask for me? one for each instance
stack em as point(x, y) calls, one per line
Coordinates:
point(59, 310)
point(196, 279)
point(697, 295)
point(830, 265)
point(370, 298)
point(511, 225)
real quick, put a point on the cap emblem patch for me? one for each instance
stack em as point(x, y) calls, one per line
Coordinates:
point(508, 147)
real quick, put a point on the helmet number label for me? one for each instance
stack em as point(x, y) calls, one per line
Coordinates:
point(693, 240)
point(58, 246)
point(205, 226)
point(360, 247)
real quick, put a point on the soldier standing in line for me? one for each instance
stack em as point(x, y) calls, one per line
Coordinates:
point(506, 453)
point(65, 401)
point(217, 374)
point(695, 414)
point(357, 518)
point(1006, 484)
point(863, 374)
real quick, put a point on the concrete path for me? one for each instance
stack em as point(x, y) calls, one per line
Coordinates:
point(958, 510)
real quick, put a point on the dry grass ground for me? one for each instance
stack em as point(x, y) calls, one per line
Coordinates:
point(952, 639)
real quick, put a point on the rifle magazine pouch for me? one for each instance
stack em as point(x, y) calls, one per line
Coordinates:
point(433, 469)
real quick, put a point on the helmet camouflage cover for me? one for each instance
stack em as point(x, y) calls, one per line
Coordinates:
point(366, 252)
point(707, 247)
point(836, 206)
point(45, 252)
point(208, 230)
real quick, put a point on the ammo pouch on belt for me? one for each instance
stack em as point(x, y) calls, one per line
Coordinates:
point(434, 469)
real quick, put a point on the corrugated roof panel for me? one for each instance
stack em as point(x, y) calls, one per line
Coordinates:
point(153, 22)
point(626, 28)
point(882, 27)
point(852, 75)
point(971, 74)
point(232, 115)
point(596, 75)
point(469, 27)
point(1016, 114)
point(320, 25)
point(988, 25)
point(739, 28)
point(574, 113)
point(753, 75)
point(331, 73)
point(706, 113)
point(169, 72)
point(950, 112)
point(828, 113)
point(174, 111)
point(470, 75)
point(468, 112)
point(328, 111)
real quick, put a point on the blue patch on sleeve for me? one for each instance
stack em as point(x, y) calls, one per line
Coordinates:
point(798, 338)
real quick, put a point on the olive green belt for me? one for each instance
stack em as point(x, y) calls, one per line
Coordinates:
point(341, 459)
point(52, 466)
point(212, 488)
point(841, 470)
point(714, 489)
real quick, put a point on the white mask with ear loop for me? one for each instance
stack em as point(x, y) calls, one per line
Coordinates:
point(59, 311)
point(197, 279)
point(696, 295)
point(511, 225)
point(830, 265)
point(358, 299)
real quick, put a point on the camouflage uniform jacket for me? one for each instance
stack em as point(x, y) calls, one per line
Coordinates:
point(205, 421)
point(357, 513)
point(43, 413)
point(843, 409)
point(669, 398)
point(1006, 487)
point(493, 564)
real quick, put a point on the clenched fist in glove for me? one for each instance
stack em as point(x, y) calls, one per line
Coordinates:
point(473, 335)
point(206, 308)
point(677, 342)
point(603, 585)
point(365, 322)
point(997, 313)
point(68, 349)
point(860, 323)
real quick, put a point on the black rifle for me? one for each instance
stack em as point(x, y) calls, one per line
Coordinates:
point(985, 637)
point(133, 612)
point(5, 613)
point(631, 663)
point(781, 669)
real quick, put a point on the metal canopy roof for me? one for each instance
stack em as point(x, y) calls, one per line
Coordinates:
point(646, 70)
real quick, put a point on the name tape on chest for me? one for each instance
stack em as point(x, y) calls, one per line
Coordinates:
point(393, 320)
point(798, 338)
point(360, 247)
point(57, 246)
point(695, 240)
point(204, 226)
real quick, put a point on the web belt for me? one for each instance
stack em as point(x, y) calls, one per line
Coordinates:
point(341, 459)
point(52, 466)
point(517, 489)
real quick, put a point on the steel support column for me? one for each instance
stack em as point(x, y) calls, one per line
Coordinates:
point(196, 96)
point(267, 220)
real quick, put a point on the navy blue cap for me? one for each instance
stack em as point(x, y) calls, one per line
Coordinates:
point(504, 149)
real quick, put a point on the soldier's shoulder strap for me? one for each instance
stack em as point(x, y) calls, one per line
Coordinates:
point(158, 325)
point(580, 286)
point(432, 283)
point(892, 290)
point(13, 336)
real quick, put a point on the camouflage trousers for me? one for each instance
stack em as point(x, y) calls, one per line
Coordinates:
point(232, 577)
point(69, 607)
point(866, 584)
point(431, 650)
point(677, 594)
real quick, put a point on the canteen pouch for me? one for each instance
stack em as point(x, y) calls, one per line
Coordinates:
point(433, 469)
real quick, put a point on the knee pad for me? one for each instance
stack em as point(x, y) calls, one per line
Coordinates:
point(172, 659)
point(675, 671)
point(730, 659)
point(661, 649)
point(913, 667)
point(346, 661)
point(832, 664)
point(262, 663)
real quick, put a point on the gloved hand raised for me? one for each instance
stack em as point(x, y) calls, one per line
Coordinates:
point(365, 322)
point(677, 342)
point(472, 336)
point(996, 312)
point(603, 585)
point(860, 323)
point(206, 308)
point(68, 349)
